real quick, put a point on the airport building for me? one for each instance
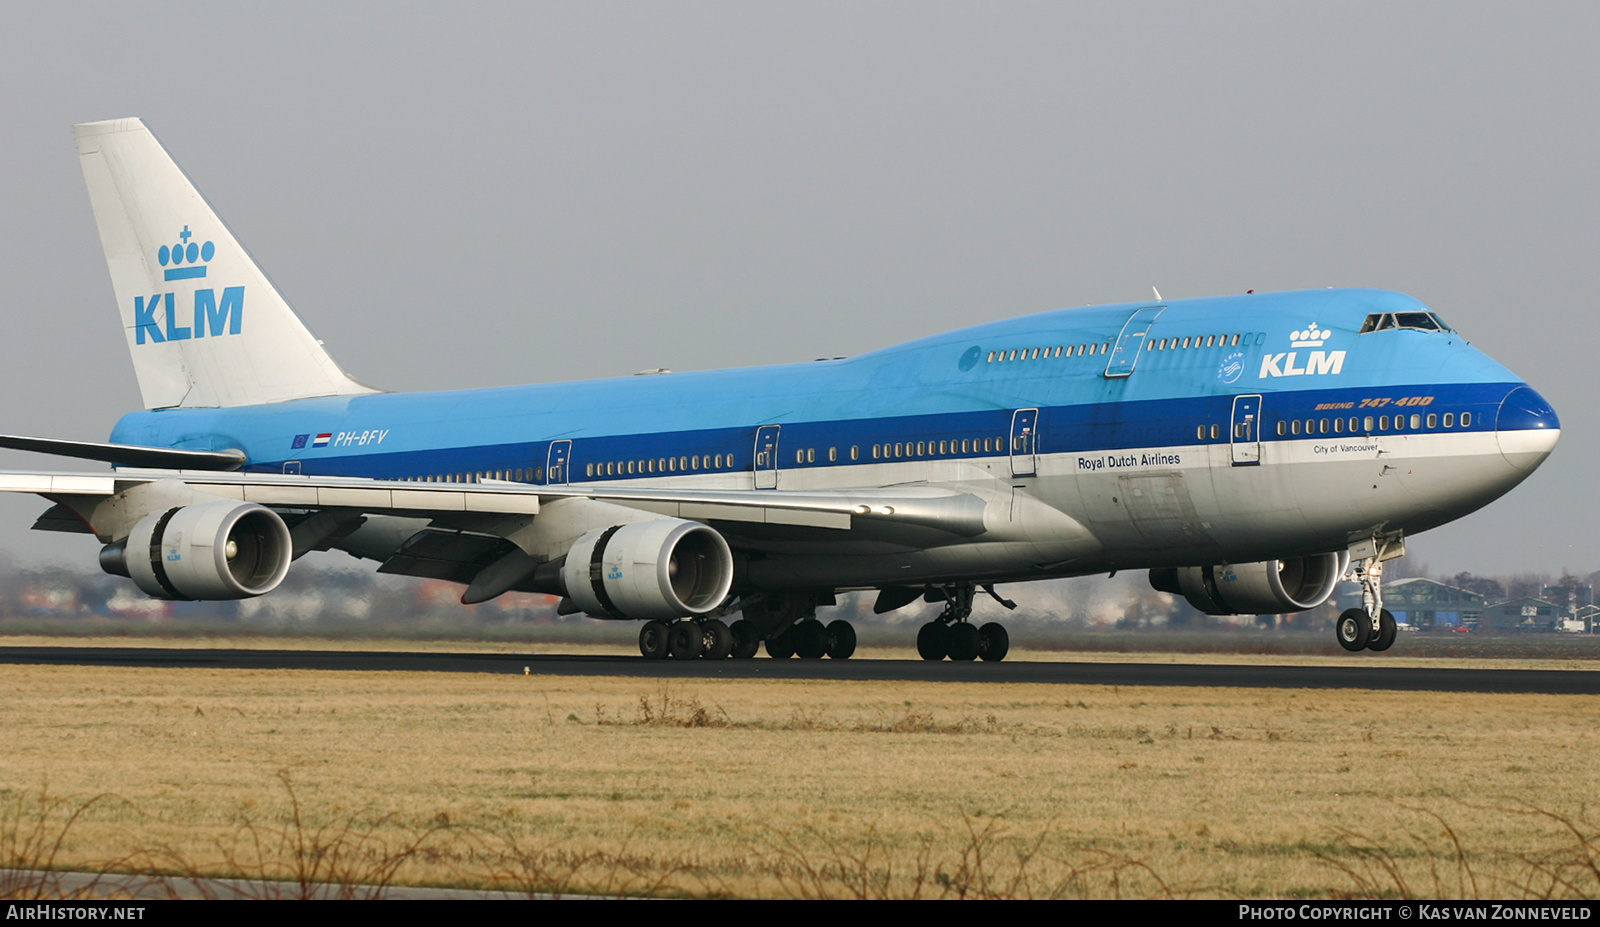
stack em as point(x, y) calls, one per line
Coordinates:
point(1428, 605)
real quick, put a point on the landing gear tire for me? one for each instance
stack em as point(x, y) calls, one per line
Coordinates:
point(746, 639)
point(933, 641)
point(1354, 629)
point(781, 647)
point(841, 639)
point(810, 639)
point(993, 642)
point(1384, 639)
point(718, 640)
point(965, 642)
point(653, 640)
point(686, 641)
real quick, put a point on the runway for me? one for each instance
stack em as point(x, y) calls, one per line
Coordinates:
point(1358, 675)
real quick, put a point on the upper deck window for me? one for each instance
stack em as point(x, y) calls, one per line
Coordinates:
point(1416, 321)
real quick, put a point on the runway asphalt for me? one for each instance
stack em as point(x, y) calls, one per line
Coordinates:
point(1358, 675)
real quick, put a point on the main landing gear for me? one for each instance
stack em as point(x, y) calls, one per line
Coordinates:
point(951, 635)
point(1370, 627)
point(787, 623)
point(690, 639)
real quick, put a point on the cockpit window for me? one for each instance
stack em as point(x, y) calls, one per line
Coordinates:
point(1416, 321)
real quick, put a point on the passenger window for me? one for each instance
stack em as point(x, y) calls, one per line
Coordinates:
point(1199, 432)
point(1368, 422)
point(1338, 426)
point(1282, 428)
point(1466, 419)
point(1322, 426)
point(1294, 427)
point(811, 455)
point(1433, 420)
point(1383, 423)
point(875, 452)
point(833, 454)
point(588, 469)
point(1354, 426)
point(1416, 422)
point(855, 452)
point(1449, 419)
point(799, 457)
point(1058, 350)
point(1216, 432)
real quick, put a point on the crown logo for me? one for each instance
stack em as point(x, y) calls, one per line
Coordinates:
point(1312, 337)
point(188, 259)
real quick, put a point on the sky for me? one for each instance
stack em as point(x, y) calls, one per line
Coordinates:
point(482, 194)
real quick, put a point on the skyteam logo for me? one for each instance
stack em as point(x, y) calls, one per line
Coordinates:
point(155, 320)
point(1232, 368)
point(1318, 363)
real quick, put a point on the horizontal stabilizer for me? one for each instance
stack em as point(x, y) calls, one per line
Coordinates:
point(128, 455)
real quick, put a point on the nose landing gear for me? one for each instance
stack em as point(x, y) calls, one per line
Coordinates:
point(1370, 627)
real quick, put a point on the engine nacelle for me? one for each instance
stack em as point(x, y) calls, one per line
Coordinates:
point(669, 568)
point(214, 550)
point(1267, 587)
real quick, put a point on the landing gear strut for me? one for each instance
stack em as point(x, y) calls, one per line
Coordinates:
point(951, 635)
point(1370, 627)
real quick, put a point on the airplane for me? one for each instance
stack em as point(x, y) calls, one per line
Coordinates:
point(1249, 451)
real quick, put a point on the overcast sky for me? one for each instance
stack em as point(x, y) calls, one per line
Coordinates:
point(466, 195)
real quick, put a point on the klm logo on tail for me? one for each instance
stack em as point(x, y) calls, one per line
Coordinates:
point(187, 260)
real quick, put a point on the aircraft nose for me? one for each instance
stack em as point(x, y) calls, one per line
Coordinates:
point(1527, 428)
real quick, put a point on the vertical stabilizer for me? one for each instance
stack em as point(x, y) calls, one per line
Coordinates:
point(204, 325)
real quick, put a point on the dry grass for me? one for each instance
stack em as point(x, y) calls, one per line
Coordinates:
point(801, 789)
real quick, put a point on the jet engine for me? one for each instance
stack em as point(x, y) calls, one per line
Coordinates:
point(1266, 587)
point(668, 569)
point(213, 550)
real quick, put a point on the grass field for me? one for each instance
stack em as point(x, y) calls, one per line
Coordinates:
point(800, 789)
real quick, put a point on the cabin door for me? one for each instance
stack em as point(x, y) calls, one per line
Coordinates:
point(1024, 441)
point(1246, 436)
point(765, 461)
point(555, 468)
point(1131, 342)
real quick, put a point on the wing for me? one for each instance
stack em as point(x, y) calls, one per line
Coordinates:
point(494, 536)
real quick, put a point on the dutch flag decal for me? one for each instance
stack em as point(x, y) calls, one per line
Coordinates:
point(322, 439)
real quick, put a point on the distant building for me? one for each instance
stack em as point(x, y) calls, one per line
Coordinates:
point(1428, 605)
point(1525, 614)
point(1571, 594)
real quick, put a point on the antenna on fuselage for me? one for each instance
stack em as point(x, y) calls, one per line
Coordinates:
point(1158, 295)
